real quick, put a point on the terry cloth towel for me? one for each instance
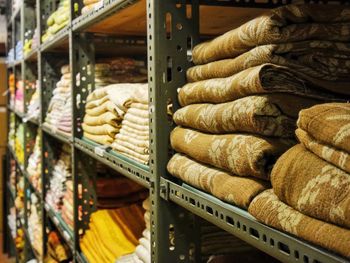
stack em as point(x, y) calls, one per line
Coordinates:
point(232, 189)
point(290, 23)
point(132, 147)
point(142, 158)
point(326, 61)
point(116, 187)
point(133, 140)
point(312, 186)
point(104, 129)
point(328, 153)
point(328, 123)
point(135, 111)
point(101, 139)
point(136, 119)
point(139, 135)
point(253, 114)
point(105, 118)
point(266, 78)
point(269, 210)
point(144, 129)
point(240, 154)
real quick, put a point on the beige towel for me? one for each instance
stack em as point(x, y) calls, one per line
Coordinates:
point(289, 23)
point(268, 209)
point(90, 104)
point(104, 107)
point(328, 123)
point(138, 105)
point(105, 129)
point(138, 149)
point(132, 139)
point(65, 69)
point(232, 189)
point(144, 129)
point(312, 186)
point(142, 121)
point(266, 78)
point(337, 157)
point(142, 136)
point(138, 112)
point(253, 114)
point(105, 118)
point(240, 154)
point(102, 139)
point(143, 158)
point(323, 63)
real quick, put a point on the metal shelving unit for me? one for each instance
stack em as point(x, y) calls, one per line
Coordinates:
point(167, 45)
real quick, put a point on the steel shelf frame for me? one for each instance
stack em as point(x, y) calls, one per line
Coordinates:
point(175, 207)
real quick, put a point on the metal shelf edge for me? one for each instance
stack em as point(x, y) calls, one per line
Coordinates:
point(57, 134)
point(241, 224)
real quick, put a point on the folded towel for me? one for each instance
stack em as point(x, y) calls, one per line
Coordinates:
point(142, 158)
point(337, 157)
point(133, 140)
point(100, 109)
point(266, 78)
point(132, 147)
point(101, 139)
point(144, 121)
point(140, 106)
point(268, 209)
point(105, 118)
point(104, 129)
point(253, 114)
point(289, 23)
point(135, 132)
point(141, 113)
point(312, 186)
point(240, 154)
point(317, 62)
point(328, 123)
point(143, 128)
point(232, 189)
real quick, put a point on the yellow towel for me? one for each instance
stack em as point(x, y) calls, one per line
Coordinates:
point(105, 118)
point(104, 129)
point(102, 139)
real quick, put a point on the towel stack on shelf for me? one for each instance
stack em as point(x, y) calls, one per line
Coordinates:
point(67, 207)
point(113, 233)
point(128, 70)
point(19, 98)
point(243, 97)
point(57, 250)
point(57, 20)
point(311, 181)
point(59, 113)
point(19, 143)
point(33, 109)
point(133, 137)
point(35, 225)
point(102, 75)
point(34, 164)
point(90, 5)
point(19, 50)
point(61, 174)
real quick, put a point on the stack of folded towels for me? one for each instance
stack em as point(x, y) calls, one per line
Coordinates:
point(33, 109)
point(35, 225)
point(19, 143)
point(60, 175)
point(133, 137)
point(57, 20)
point(90, 5)
point(128, 70)
point(113, 233)
point(57, 250)
point(67, 206)
point(243, 97)
point(59, 113)
point(142, 252)
point(19, 97)
point(311, 181)
point(34, 164)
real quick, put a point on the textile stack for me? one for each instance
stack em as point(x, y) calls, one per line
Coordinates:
point(105, 109)
point(57, 20)
point(311, 181)
point(113, 233)
point(59, 113)
point(102, 74)
point(245, 92)
point(34, 164)
point(19, 143)
point(128, 70)
point(67, 206)
point(133, 138)
point(57, 250)
point(35, 225)
point(33, 109)
point(90, 5)
point(61, 174)
point(19, 97)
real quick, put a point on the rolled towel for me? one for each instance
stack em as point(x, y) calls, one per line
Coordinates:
point(268, 209)
point(312, 186)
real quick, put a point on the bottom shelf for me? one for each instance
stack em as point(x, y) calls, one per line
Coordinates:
point(240, 223)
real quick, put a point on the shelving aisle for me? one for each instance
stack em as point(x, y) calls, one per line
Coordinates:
point(163, 33)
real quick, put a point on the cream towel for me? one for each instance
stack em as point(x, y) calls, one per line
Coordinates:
point(100, 109)
point(132, 147)
point(135, 119)
point(105, 118)
point(138, 112)
point(102, 139)
point(131, 139)
point(137, 134)
point(143, 158)
point(141, 128)
point(104, 129)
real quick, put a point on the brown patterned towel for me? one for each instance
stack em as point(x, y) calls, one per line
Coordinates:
point(254, 114)
point(328, 123)
point(290, 23)
point(232, 189)
point(266, 78)
point(312, 186)
point(318, 59)
point(240, 154)
point(337, 157)
point(269, 210)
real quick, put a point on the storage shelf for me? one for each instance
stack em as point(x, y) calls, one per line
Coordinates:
point(58, 42)
point(34, 121)
point(32, 55)
point(62, 227)
point(36, 191)
point(127, 167)
point(61, 136)
point(240, 223)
